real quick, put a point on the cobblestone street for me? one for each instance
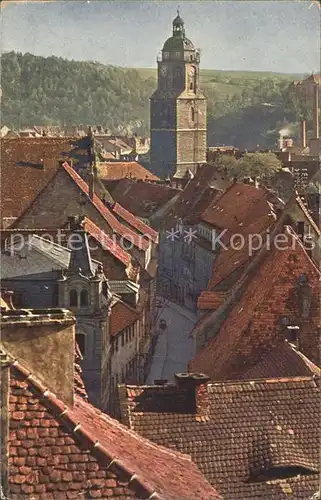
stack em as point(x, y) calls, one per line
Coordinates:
point(174, 347)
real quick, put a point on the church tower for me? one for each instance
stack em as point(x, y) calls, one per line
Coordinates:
point(178, 109)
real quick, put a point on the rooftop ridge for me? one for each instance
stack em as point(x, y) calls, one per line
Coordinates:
point(230, 383)
point(137, 223)
point(117, 226)
point(106, 241)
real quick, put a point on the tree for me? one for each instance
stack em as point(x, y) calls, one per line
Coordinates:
point(259, 165)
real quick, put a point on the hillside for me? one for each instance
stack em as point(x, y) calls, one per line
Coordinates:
point(53, 91)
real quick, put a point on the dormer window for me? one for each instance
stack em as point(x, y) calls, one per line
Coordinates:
point(281, 472)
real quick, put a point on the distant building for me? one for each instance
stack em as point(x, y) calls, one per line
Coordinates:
point(178, 108)
point(43, 274)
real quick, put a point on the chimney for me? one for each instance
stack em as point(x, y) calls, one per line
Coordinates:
point(315, 112)
point(43, 341)
point(303, 134)
point(194, 384)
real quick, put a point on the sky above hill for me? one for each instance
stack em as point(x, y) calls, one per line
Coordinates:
point(280, 36)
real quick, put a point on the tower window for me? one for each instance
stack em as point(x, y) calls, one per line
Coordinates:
point(84, 298)
point(177, 55)
point(191, 86)
point(166, 55)
point(191, 57)
point(73, 298)
point(192, 114)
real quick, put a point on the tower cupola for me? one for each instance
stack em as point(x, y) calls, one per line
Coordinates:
point(178, 26)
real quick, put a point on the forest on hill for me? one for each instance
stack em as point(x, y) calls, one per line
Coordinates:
point(244, 108)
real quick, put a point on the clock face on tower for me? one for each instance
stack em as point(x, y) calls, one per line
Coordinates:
point(163, 70)
point(191, 71)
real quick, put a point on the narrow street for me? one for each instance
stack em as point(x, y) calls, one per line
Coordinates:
point(174, 347)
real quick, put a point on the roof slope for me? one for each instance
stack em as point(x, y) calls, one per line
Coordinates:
point(202, 190)
point(282, 361)
point(240, 205)
point(115, 170)
point(142, 198)
point(248, 428)
point(133, 221)
point(254, 322)
point(105, 241)
point(122, 316)
point(112, 221)
point(31, 163)
point(79, 452)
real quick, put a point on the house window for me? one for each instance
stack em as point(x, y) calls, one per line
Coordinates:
point(80, 339)
point(123, 339)
point(84, 298)
point(116, 344)
point(73, 298)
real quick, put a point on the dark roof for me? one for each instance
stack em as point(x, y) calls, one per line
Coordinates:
point(142, 198)
point(59, 451)
point(80, 258)
point(198, 194)
point(241, 430)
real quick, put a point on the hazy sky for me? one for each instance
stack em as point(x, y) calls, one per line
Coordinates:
point(282, 36)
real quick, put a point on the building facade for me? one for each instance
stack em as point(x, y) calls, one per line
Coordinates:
point(178, 108)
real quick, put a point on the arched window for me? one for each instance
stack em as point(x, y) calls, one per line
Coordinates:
point(80, 339)
point(73, 298)
point(83, 298)
point(192, 114)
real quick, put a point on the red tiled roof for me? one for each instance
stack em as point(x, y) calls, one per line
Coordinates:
point(112, 221)
point(143, 228)
point(59, 451)
point(211, 300)
point(233, 258)
point(114, 170)
point(106, 242)
point(240, 205)
point(199, 193)
point(241, 430)
point(253, 323)
point(282, 361)
point(30, 163)
point(142, 198)
point(122, 316)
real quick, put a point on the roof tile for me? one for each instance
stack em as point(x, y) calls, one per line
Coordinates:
point(115, 170)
